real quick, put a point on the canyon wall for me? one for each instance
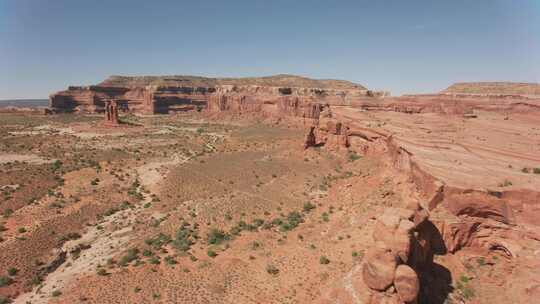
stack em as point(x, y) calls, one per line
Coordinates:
point(152, 95)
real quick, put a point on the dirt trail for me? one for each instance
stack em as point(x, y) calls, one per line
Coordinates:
point(104, 240)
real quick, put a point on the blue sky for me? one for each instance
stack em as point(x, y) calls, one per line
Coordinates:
point(401, 46)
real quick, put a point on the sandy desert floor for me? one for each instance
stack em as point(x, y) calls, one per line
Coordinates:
point(181, 209)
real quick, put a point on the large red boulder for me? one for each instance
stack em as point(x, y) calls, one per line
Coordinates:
point(406, 283)
point(379, 267)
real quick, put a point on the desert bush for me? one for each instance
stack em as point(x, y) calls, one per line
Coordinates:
point(56, 165)
point(271, 269)
point(464, 289)
point(216, 236)
point(5, 281)
point(185, 237)
point(324, 217)
point(102, 272)
point(8, 212)
point(308, 207)
point(211, 253)
point(36, 280)
point(170, 260)
point(12, 271)
point(258, 222)
point(130, 256)
point(353, 156)
point(324, 260)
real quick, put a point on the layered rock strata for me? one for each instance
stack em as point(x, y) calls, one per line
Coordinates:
point(150, 95)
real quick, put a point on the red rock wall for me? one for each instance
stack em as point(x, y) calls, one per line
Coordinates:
point(151, 99)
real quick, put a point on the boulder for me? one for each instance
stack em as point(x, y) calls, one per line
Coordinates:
point(401, 244)
point(406, 283)
point(383, 233)
point(379, 267)
point(384, 299)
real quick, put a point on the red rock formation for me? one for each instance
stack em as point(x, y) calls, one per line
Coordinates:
point(111, 113)
point(311, 140)
point(406, 283)
point(392, 266)
point(326, 130)
point(287, 95)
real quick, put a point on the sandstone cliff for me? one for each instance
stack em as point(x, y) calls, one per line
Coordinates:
point(164, 94)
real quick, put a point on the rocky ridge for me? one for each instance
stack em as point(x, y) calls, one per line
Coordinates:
point(164, 94)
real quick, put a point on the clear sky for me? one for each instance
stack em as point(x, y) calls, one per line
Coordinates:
point(401, 46)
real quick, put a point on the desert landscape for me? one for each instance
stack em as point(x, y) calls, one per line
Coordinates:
point(279, 189)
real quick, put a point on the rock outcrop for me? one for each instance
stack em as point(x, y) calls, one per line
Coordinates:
point(111, 114)
point(401, 251)
point(283, 94)
point(324, 129)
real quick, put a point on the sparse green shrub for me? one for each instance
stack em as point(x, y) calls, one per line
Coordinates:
point(464, 289)
point(154, 260)
point(211, 253)
point(36, 280)
point(324, 217)
point(185, 237)
point(258, 223)
point(5, 281)
point(102, 272)
point(271, 269)
point(56, 165)
point(308, 207)
point(324, 260)
point(8, 212)
point(12, 271)
point(481, 261)
point(170, 260)
point(130, 256)
point(353, 156)
point(56, 293)
point(294, 219)
point(536, 170)
point(216, 236)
